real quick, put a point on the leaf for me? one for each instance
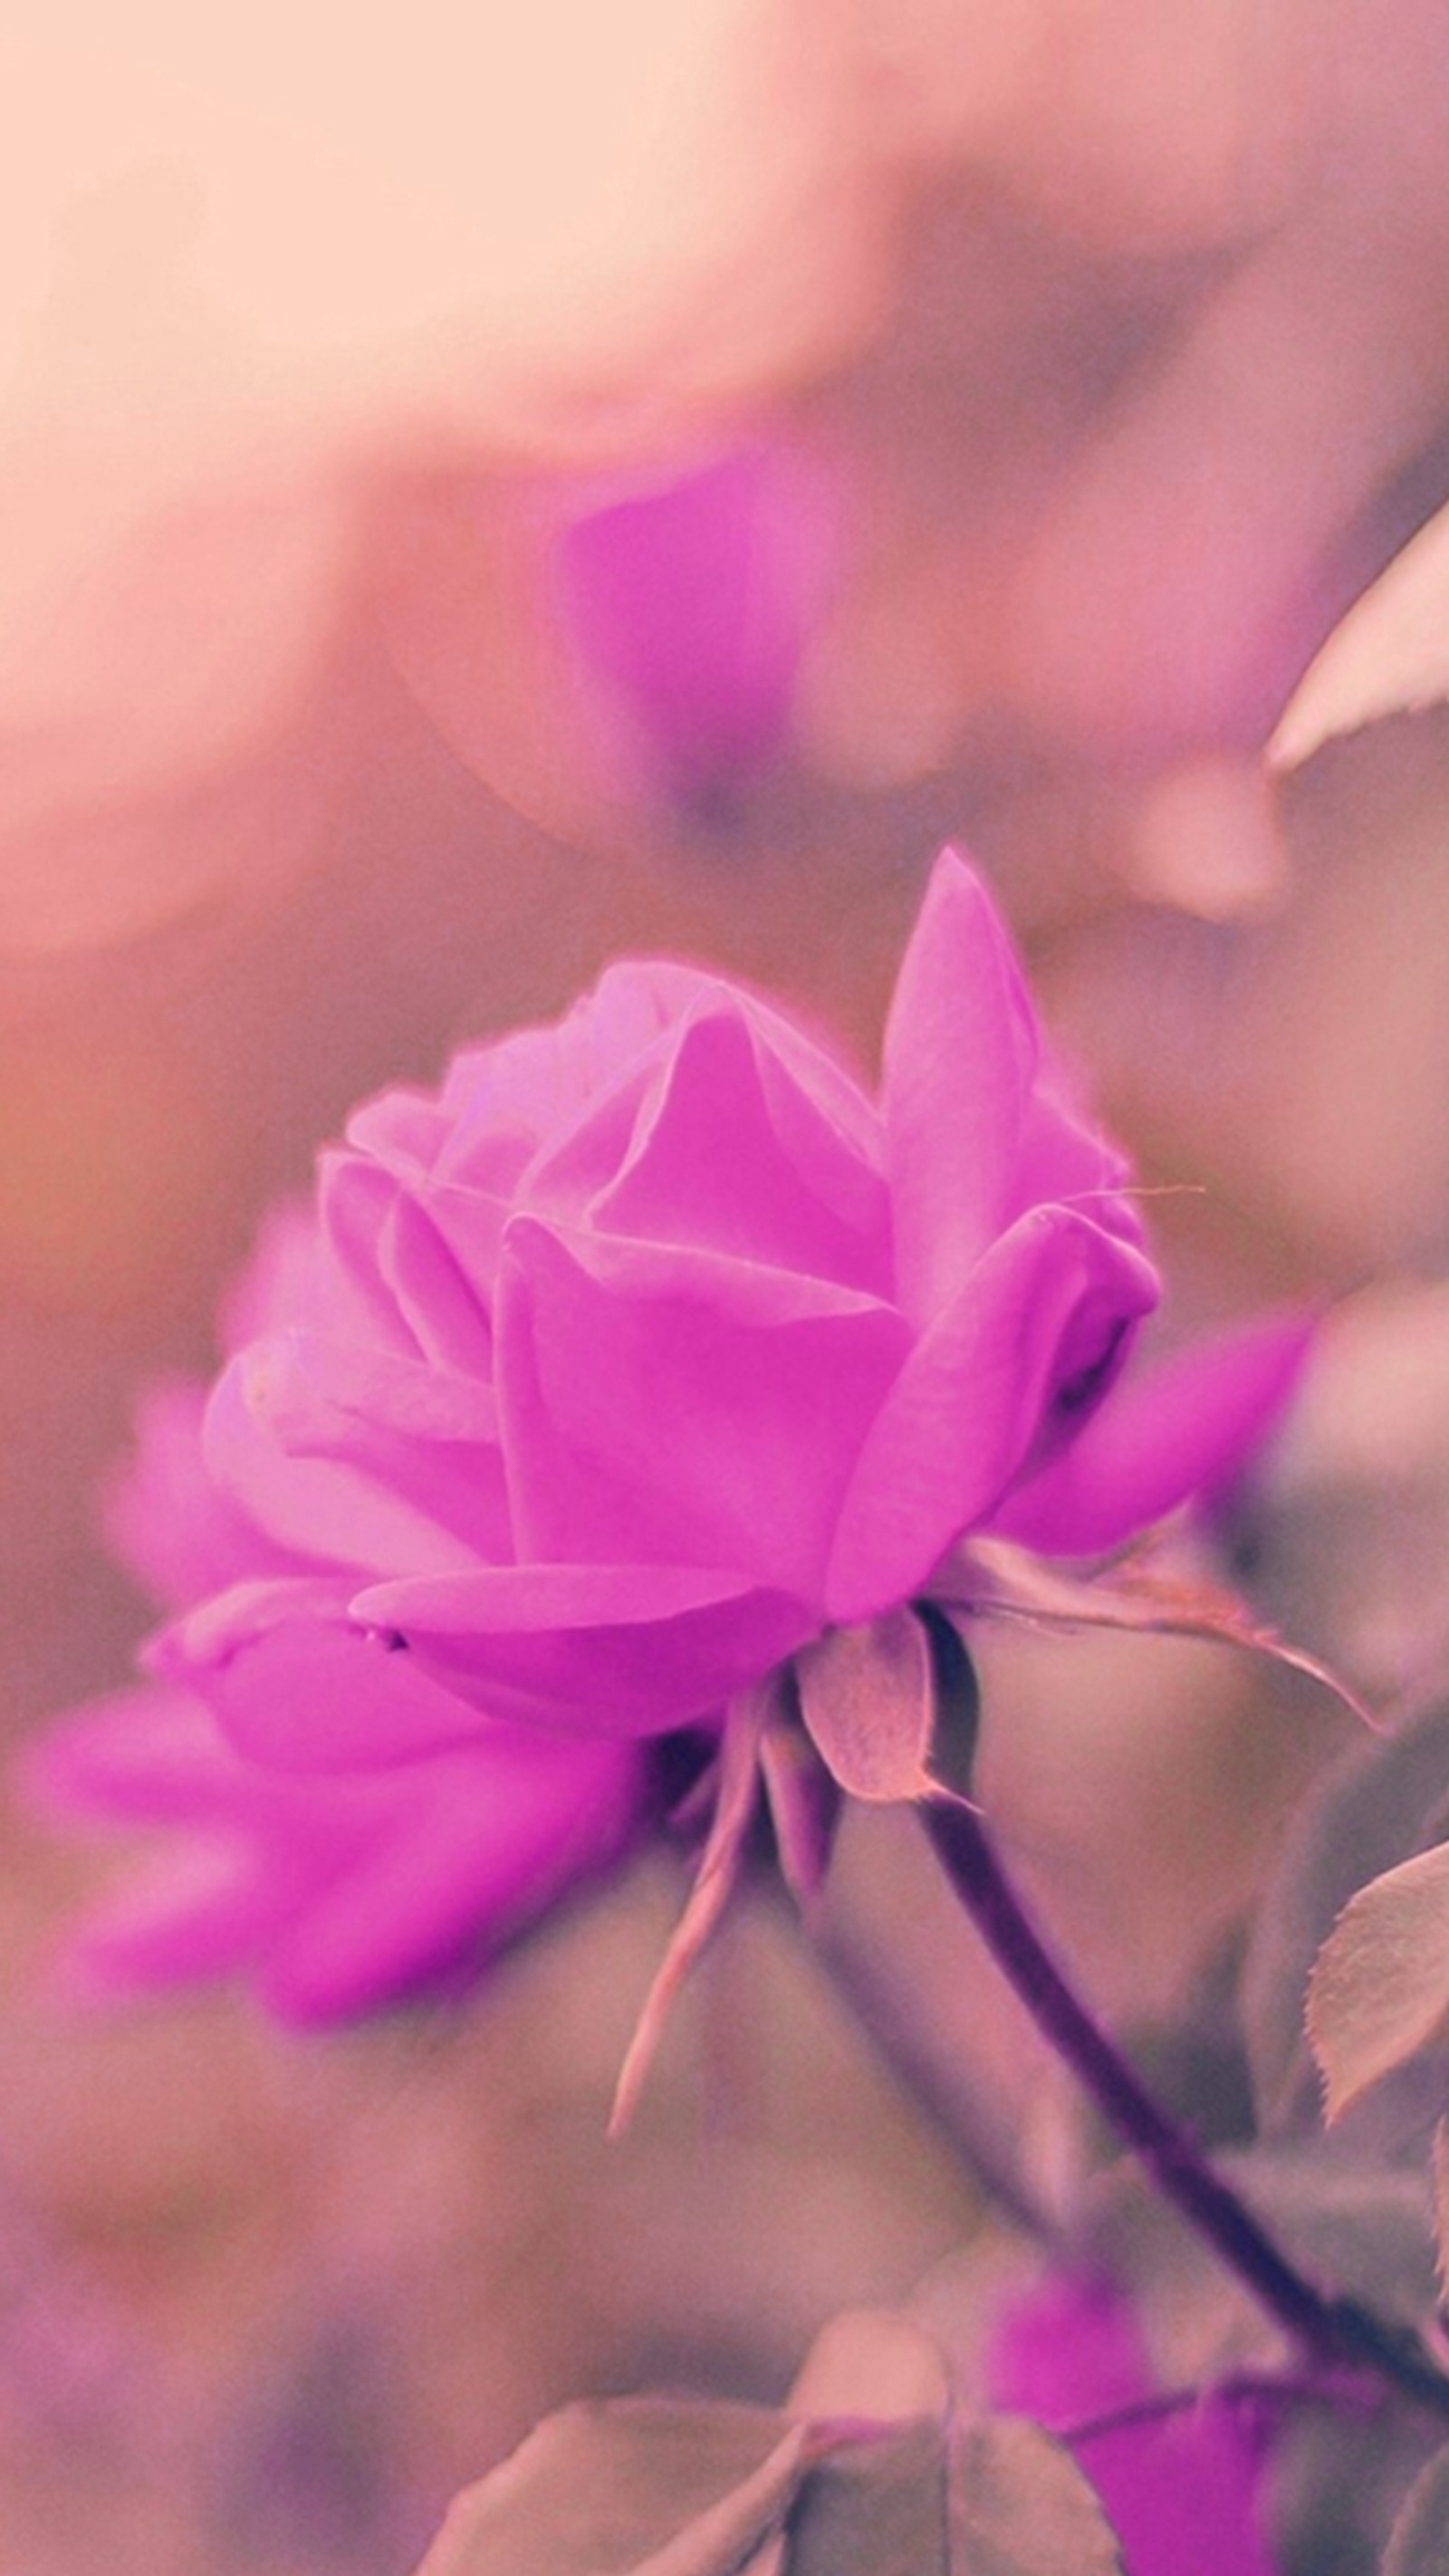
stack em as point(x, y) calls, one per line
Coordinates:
point(1379, 1991)
point(875, 2508)
point(1419, 2541)
point(1371, 1809)
point(1020, 2506)
point(1358, 2229)
point(993, 1579)
point(868, 1699)
point(893, 1706)
point(628, 2487)
point(715, 1881)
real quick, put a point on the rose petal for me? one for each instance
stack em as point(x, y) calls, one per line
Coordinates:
point(151, 1754)
point(733, 1157)
point(311, 1693)
point(975, 1398)
point(960, 1054)
point(673, 1406)
point(1164, 1433)
point(477, 1844)
point(607, 1649)
point(167, 1520)
point(328, 1510)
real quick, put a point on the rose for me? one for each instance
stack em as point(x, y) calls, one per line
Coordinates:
point(647, 1352)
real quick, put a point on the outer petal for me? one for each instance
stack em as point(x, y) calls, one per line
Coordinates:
point(471, 1848)
point(665, 1406)
point(1164, 1433)
point(331, 1510)
point(606, 1649)
point(165, 1518)
point(960, 1056)
point(313, 1693)
point(147, 1755)
point(339, 1892)
point(980, 1393)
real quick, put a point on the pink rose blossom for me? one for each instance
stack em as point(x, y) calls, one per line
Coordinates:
point(645, 1351)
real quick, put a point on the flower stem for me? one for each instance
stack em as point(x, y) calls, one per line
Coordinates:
point(1327, 2330)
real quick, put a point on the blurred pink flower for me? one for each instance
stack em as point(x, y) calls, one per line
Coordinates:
point(643, 1352)
point(1181, 2487)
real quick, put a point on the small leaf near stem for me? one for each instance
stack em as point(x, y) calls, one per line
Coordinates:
point(993, 1579)
point(892, 1706)
point(1379, 1991)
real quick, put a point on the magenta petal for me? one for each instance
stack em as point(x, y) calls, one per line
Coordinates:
point(473, 1846)
point(202, 1910)
point(149, 1755)
point(607, 1649)
point(729, 1161)
point(665, 1405)
point(1181, 2491)
point(313, 1694)
point(960, 1054)
point(165, 1518)
point(692, 603)
point(976, 1398)
point(1164, 1433)
point(328, 1510)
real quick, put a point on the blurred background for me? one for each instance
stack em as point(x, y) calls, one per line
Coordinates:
point(476, 499)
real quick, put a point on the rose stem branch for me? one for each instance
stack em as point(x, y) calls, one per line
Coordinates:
point(1329, 2331)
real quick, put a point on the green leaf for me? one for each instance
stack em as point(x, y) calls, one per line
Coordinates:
point(1020, 2506)
point(629, 2487)
point(1419, 2541)
point(1377, 1806)
point(1379, 1991)
point(876, 2508)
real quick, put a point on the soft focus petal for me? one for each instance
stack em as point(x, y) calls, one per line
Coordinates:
point(1166, 1432)
point(338, 1893)
point(1044, 1311)
point(692, 600)
point(483, 1843)
point(960, 1054)
point(166, 1518)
